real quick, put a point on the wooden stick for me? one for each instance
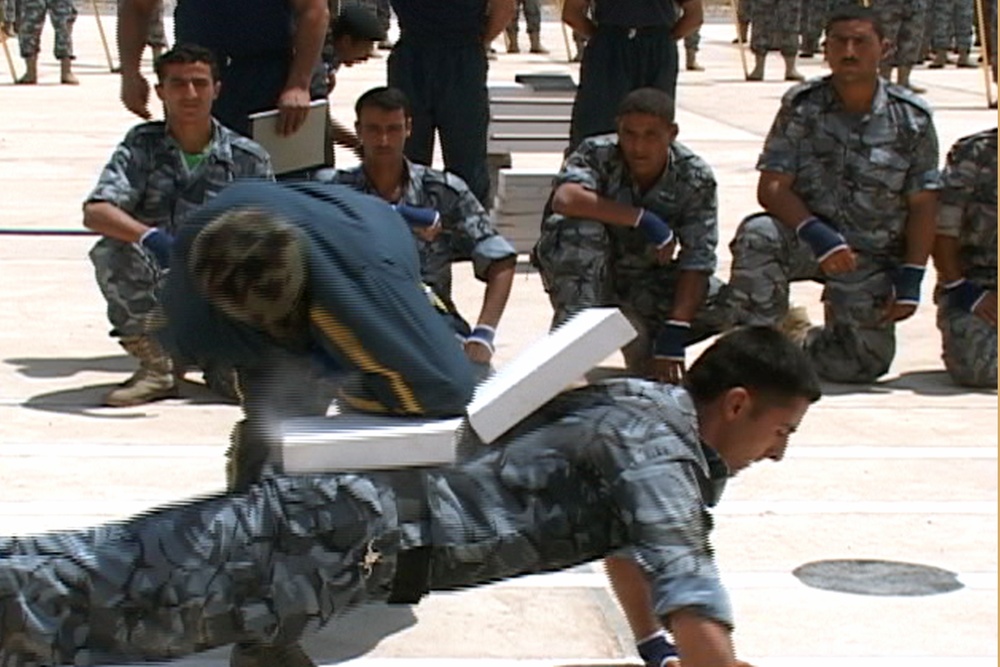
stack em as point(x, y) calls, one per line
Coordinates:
point(6, 52)
point(739, 38)
point(986, 47)
point(104, 39)
point(565, 32)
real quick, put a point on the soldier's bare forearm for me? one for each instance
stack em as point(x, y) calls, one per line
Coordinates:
point(575, 201)
point(133, 31)
point(946, 259)
point(701, 642)
point(689, 295)
point(499, 279)
point(574, 14)
point(501, 12)
point(920, 227)
point(311, 20)
point(109, 220)
point(775, 194)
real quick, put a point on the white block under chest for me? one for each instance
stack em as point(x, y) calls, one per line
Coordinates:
point(351, 442)
point(546, 368)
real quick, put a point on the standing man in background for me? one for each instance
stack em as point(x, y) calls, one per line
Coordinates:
point(533, 20)
point(775, 28)
point(440, 65)
point(903, 22)
point(268, 53)
point(30, 15)
point(631, 44)
point(951, 22)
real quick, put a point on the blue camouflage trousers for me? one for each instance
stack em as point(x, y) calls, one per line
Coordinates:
point(853, 345)
point(31, 16)
point(129, 279)
point(951, 20)
point(775, 26)
point(903, 22)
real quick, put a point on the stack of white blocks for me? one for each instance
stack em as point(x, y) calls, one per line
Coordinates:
point(365, 442)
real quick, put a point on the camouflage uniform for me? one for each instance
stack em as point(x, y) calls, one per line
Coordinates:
point(855, 175)
point(813, 20)
point(903, 22)
point(969, 213)
point(532, 18)
point(951, 20)
point(603, 468)
point(585, 263)
point(775, 26)
point(147, 178)
point(693, 41)
point(992, 36)
point(467, 233)
point(31, 15)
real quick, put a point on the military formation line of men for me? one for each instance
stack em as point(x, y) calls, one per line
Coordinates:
point(849, 182)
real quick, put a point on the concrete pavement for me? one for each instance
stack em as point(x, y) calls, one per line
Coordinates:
point(905, 470)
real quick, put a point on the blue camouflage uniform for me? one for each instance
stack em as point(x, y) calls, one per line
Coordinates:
point(439, 62)
point(601, 469)
point(632, 48)
point(147, 177)
point(30, 16)
point(466, 230)
point(252, 40)
point(968, 213)
point(585, 263)
point(854, 173)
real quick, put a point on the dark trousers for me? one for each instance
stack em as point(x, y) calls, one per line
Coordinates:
point(615, 62)
point(446, 86)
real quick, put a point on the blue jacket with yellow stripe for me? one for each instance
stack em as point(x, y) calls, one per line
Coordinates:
point(368, 311)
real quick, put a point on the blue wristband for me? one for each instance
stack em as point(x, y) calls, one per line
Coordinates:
point(823, 239)
point(656, 650)
point(484, 335)
point(907, 283)
point(656, 230)
point(158, 242)
point(671, 340)
point(418, 217)
point(963, 295)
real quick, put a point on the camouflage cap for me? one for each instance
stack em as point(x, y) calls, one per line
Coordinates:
point(250, 263)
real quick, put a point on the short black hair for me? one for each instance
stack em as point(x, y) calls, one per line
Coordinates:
point(760, 359)
point(652, 101)
point(357, 22)
point(855, 13)
point(384, 98)
point(183, 54)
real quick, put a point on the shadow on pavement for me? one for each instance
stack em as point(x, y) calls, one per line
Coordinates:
point(86, 401)
point(358, 632)
point(48, 367)
point(923, 382)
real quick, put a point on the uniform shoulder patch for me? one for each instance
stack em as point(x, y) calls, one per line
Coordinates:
point(908, 96)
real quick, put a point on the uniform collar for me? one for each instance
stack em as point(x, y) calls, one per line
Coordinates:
point(220, 149)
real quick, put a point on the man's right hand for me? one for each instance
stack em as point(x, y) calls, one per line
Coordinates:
point(987, 309)
point(965, 295)
point(135, 94)
point(828, 246)
point(659, 234)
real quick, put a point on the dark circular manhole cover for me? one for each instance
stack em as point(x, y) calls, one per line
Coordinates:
point(877, 577)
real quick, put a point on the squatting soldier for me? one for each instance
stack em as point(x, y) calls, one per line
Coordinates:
point(903, 23)
point(627, 466)
point(533, 20)
point(965, 255)
point(775, 28)
point(30, 16)
point(848, 183)
point(448, 223)
point(608, 240)
point(630, 44)
point(158, 175)
point(951, 21)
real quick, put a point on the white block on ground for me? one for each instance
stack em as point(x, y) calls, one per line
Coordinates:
point(365, 442)
point(546, 368)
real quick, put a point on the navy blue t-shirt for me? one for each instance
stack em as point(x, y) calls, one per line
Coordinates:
point(447, 20)
point(235, 28)
point(635, 13)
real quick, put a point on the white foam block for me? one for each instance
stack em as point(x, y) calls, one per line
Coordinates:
point(351, 442)
point(546, 368)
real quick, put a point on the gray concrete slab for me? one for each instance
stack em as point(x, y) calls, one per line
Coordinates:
point(904, 470)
